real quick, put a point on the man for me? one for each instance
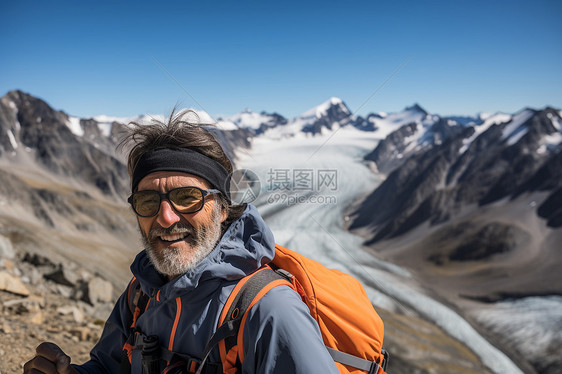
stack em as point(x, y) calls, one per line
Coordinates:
point(197, 247)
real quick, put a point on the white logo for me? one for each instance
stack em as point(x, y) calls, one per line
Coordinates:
point(245, 186)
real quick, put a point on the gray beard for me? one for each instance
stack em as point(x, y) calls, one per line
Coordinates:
point(175, 261)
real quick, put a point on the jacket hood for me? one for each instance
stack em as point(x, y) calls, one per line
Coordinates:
point(246, 245)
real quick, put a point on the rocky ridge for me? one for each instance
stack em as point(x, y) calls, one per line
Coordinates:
point(462, 168)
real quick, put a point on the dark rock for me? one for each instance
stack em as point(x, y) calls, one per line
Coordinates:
point(63, 276)
point(38, 260)
point(389, 152)
point(551, 209)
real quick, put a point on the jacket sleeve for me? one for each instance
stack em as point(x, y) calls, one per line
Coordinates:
point(281, 337)
point(106, 355)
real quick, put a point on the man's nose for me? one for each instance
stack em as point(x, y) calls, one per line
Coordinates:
point(167, 216)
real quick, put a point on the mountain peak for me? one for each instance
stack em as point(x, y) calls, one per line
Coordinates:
point(323, 109)
point(416, 108)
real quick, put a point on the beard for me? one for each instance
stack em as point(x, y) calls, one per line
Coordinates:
point(173, 261)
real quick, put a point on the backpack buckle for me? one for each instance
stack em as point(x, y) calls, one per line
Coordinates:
point(385, 358)
point(192, 365)
point(374, 368)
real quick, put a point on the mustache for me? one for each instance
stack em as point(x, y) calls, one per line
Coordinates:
point(178, 228)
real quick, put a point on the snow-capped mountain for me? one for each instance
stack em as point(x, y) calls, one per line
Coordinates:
point(385, 123)
point(480, 164)
point(31, 132)
point(255, 122)
point(406, 133)
point(330, 115)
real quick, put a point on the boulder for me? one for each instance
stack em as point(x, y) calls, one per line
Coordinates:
point(12, 284)
point(99, 291)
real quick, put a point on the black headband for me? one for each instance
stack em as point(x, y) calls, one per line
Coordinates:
point(183, 160)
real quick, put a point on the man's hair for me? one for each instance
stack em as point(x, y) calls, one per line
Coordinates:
point(178, 132)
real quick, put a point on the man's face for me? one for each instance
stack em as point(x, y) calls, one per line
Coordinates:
point(176, 242)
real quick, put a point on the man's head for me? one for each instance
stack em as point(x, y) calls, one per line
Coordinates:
point(179, 226)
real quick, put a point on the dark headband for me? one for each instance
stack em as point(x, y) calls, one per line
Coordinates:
point(183, 160)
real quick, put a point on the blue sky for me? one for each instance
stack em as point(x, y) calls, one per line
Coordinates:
point(135, 57)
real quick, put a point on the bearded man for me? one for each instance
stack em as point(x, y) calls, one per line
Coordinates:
point(197, 246)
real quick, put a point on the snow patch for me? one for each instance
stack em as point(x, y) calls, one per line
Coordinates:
point(556, 122)
point(12, 139)
point(226, 125)
point(484, 116)
point(531, 319)
point(465, 144)
point(392, 122)
point(105, 128)
point(513, 128)
point(541, 149)
point(322, 109)
point(73, 124)
point(516, 135)
point(549, 142)
point(109, 119)
point(490, 121)
point(495, 119)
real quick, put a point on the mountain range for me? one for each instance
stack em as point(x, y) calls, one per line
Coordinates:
point(440, 172)
point(471, 205)
point(452, 183)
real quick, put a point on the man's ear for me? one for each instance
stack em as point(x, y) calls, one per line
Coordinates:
point(224, 214)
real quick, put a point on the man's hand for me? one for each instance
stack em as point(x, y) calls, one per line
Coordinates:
point(49, 359)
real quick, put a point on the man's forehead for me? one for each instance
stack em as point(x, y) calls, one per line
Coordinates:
point(171, 179)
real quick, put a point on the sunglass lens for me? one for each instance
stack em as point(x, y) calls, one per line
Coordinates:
point(146, 203)
point(186, 199)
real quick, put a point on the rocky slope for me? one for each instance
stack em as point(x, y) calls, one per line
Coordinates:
point(463, 168)
point(476, 215)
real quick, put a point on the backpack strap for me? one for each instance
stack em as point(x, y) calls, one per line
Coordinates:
point(371, 367)
point(138, 302)
point(246, 294)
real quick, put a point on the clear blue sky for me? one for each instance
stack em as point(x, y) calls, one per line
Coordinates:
point(125, 58)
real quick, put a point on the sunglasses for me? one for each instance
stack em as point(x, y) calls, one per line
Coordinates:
point(147, 203)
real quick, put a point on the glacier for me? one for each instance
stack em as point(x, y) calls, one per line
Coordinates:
point(317, 229)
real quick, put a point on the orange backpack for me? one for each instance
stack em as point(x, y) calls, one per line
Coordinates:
point(351, 328)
